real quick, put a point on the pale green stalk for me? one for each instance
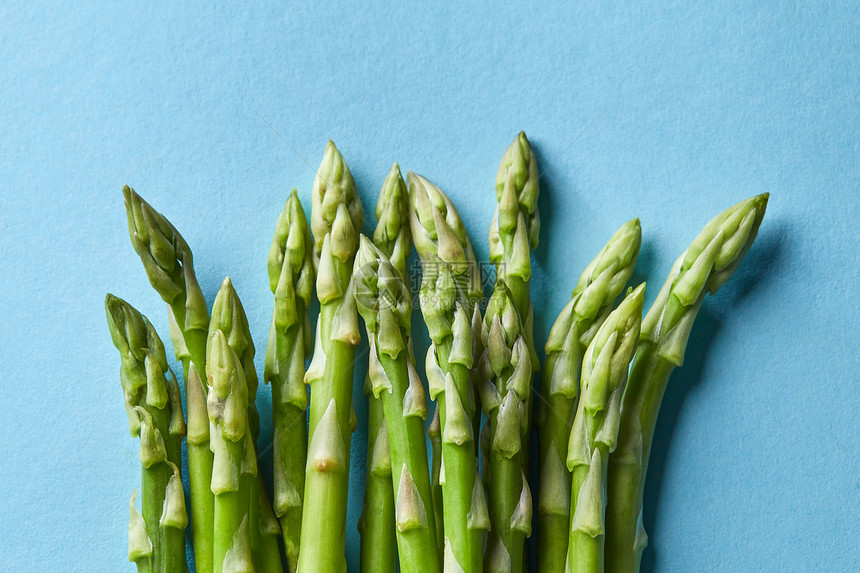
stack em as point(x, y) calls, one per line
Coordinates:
point(595, 430)
point(169, 266)
point(703, 268)
point(234, 458)
point(291, 278)
point(336, 217)
point(385, 303)
point(450, 292)
point(592, 300)
point(153, 404)
point(229, 317)
point(378, 541)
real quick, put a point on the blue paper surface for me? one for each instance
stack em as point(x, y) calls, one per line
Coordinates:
point(664, 111)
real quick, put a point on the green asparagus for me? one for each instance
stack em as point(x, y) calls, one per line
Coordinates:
point(235, 461)
point(228, 316)
point(515, 229)
point(385, 304)
point(592, 300)
point(291, 278)
point(514, 232)
point(336, 217)
point(449, 297)
point(595, 430)
point(378, 541)
point(169, 266)
point(703, 268)
point(508, 373)
point(153, 404)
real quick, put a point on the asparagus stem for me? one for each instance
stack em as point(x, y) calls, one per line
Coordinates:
point(595, 430)
point(378, 540)
point(291, 278)
point(228, 316)
point(514, 233)
point(507, 367)
point(434, 433)
point(168, 263)
point(157, 535)
point(235, 461)
point(450, 292)
point(336, 216)
point(385, 304)
point(703, 268)
point(599, 285)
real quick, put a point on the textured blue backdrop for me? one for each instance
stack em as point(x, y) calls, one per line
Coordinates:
point(656, 110)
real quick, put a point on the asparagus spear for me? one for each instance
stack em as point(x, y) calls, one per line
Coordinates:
point(513, 232)
point(336, 217)
point(703, 268)
point(508, 370)
point(235, 461)
point(169, 266)
point(595, 430)
point(291, 278)
point(450, 292)
point(152, 401)
point(228, 317)
point(378, 541)
point(591, 301)
point(515, 229)
point(385, 304)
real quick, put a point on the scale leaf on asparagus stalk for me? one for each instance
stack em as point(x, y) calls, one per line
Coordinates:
point(377, 524)
point(152, 401)
point(291, 279)
point(594, 434)
point(591, 302)
point(450, 292)
point(169, 266)
point(336, 218)
point(703, 268)
point(228, 317)
point(384, 301)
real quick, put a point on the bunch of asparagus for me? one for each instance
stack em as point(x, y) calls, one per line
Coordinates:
point(466, 507)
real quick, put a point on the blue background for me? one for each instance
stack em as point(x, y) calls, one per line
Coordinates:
point(657, 110)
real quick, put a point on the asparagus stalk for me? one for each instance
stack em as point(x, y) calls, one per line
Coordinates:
point(228, 316)
point(336, 217)
point(703, 268)
point(235, 461)
point(291, 278)
point(153, 404)
point(385, 304)
point(169, 266)
point(378, 541)
point(434, 432)
point(514, 232)
point(595, 430)
point(450, 292)
point(591, 301)
point(508, 370)
point(515, 229)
